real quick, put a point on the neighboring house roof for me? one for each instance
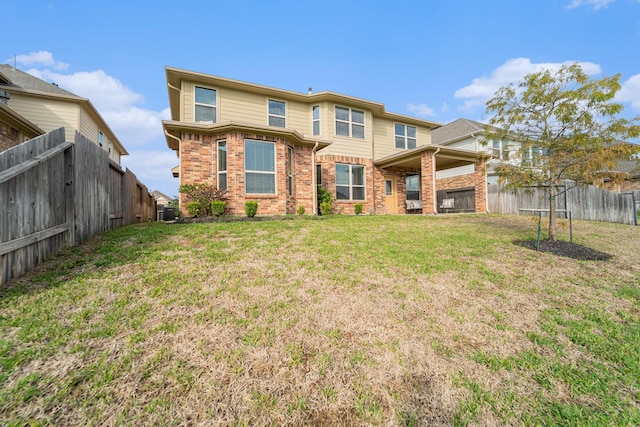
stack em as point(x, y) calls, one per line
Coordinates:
point(457, 130)
point(14, 80)
point(158, 195)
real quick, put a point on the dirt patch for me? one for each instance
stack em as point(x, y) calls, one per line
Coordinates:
point(565, 249)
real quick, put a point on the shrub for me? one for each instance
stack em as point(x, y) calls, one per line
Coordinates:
point(251, 208)
point(300, 210)
point(325, 208)
point(325, 199)
point(217, 207)
point(203, 194)
point(357, 208)
point(194, 208)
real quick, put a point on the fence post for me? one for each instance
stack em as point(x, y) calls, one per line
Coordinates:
point(69, 194)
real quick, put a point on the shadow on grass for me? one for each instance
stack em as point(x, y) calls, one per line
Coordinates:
point(565, 249)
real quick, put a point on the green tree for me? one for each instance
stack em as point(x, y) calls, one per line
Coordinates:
point(568, 127)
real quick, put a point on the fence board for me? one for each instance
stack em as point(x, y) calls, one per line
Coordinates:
point(464, 199)
point(55, 193)
point(584, 202)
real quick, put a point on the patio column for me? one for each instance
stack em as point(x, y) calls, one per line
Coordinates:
point(428, 182)
point(480, 183)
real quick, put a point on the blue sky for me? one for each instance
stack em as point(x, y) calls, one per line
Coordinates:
point(439, 60)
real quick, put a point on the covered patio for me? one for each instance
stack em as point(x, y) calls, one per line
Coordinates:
point(424, 161)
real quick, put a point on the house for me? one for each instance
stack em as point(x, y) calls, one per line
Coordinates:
point(50, 107)
point(161, 198)
point(14, 129)
point(273, 146)
point(469, 135)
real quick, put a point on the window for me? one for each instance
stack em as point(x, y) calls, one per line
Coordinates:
point(316, 119)
point(388, 187)
point(110, 145)
point(222, 165)
point(206, 101)
point(100, 138)
point(277, 113)
point(405, 136)
point(413, 187)
point(349, 122)
point(259, 167)
point(319, 174)
point(290, 170)
point(349, 182)
point(500, 149)
point(532, 156)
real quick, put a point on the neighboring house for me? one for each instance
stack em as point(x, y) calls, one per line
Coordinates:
point(50, 107)
point(161, 198)
point(468, 135)
point(630, 169)
point(14, 129)
point(273, 146)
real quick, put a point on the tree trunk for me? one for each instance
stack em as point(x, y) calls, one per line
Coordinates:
point(552, 213)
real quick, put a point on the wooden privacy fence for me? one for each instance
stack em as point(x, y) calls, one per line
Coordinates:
point(464, 199)
point(55, 193)
point(584, 202)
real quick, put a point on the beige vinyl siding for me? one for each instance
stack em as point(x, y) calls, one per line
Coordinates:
point(48, 114)
point(385, 141)
point(89, 128)
point(243, 107)
point(299, 117)
point(187, 108)
point(342, 145)
point(467, 144)
point(460, 170)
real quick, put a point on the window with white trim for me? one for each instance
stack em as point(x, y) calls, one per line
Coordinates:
point(315, 118)
point(350, 182)
point(222, 164)
point(406, 136)
point(413, 186)
point(259, 167)
point(349, 122)
point(500, 149)
point(277, 113)
point(290, 170)
point(100, 138)
point(206, 102)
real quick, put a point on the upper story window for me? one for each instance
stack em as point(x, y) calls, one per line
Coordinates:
point(110, 145)
point(315, 117)
point(259, 167)
point(100, 138)
point(405, 136)
point(349, 122)
point(533, 156)
point(500, 149)
point(277, 113)
point(206, 102)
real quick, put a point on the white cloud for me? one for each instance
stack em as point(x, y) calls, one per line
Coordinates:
point(597, 4)
point(630, 92)
point(422, 110)
point(513, 70)
point(42, 57)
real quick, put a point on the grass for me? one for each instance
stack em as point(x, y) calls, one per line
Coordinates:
point(385, 320)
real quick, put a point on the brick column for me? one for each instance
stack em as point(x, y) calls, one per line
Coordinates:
point(480, 183)
point(428, 182)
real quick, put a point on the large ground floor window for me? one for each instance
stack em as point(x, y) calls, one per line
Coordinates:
point(350, 182)
point(259, 167)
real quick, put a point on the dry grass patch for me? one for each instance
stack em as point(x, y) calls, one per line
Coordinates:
point(347, 321)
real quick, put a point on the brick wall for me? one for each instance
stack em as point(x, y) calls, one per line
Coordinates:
point(427, 188)
point(9, 136)
point(460, 181)
point(480, 184)
point(198, 160)
point(329, 182)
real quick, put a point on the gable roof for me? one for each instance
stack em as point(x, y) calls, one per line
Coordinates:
point(157, 194)
point(14, 78)
point(456, 130)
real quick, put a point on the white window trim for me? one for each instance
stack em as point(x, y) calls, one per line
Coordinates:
point(350, 122)
point(269, 115)
point(215, 106)
point(218, 170)
point(406, 136)
point(313, 121)
point(274, 173)
point(352, 185)
point(100, 138)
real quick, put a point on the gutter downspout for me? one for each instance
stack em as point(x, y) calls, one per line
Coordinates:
point(314, 190)
point(435, 193)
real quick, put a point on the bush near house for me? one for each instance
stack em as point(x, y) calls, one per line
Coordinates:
point(204, 194)
point(251, 208)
